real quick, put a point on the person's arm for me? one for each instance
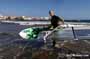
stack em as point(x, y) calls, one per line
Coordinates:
point(61, 20)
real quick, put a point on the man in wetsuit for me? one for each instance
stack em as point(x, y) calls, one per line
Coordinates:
point(55, 22)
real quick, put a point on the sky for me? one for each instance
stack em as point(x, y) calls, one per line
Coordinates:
point(68, 9)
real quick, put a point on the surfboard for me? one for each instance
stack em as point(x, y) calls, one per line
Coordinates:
point(26, 33)
point(62, 34)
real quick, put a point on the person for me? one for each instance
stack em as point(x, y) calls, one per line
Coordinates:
point(55, 22)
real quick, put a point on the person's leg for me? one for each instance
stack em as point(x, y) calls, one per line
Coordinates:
point(54, 43)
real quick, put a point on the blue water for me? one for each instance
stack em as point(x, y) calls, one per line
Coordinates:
point(84, 32)
point(16, 28)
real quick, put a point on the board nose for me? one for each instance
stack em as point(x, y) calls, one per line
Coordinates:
point(23, 35)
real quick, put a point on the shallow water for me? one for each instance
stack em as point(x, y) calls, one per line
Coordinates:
point(11, 43)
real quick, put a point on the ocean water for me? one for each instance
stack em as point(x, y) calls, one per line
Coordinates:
point(11, 42)
point(13, 29)
point(84, 32)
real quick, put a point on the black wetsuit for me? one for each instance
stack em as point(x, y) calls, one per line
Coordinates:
point(54, 21)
